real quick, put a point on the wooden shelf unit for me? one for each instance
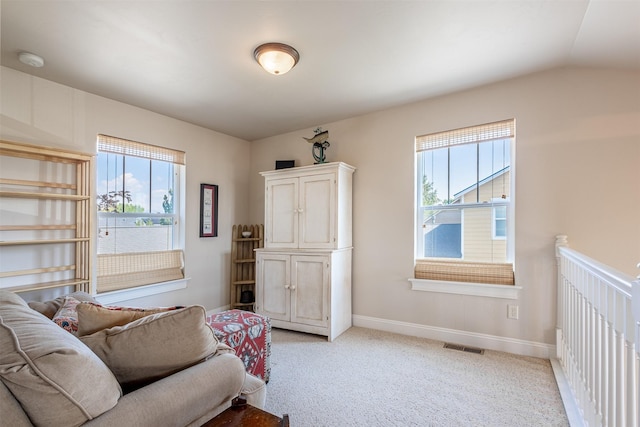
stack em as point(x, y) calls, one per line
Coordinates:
point(67, 189)
point(243, 265)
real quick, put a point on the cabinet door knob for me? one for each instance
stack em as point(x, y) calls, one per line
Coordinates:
point(300, 210)
point(286, 286)
point(293, 288)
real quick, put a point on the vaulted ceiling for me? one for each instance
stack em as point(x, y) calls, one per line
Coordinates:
point(193, 60)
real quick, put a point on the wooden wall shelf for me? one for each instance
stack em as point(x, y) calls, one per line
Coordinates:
point(59, 183)
point(42, 242)
point(44, 196)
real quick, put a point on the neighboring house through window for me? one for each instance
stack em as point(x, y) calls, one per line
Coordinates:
point(140, 231)
point(464, 203)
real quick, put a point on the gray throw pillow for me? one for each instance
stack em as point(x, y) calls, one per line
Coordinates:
point(154, 346)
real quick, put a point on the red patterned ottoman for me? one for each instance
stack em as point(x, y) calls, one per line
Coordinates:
point(249, 334)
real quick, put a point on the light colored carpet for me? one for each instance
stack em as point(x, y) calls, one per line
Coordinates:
point(374, 378)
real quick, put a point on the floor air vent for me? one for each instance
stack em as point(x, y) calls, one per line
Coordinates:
point(463, 348)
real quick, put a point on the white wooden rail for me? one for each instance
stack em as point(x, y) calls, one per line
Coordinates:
point(598, 338)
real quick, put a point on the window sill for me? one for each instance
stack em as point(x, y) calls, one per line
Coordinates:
point(462, 288)
point(141, 291)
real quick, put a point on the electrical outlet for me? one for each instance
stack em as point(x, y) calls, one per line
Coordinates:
point(512, 311)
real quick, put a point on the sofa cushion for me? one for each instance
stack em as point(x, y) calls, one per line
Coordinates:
point(94, 317)
point(154, 346)
point(50, 308)
point(54, 376)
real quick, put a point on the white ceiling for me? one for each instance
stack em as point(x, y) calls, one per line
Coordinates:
point(193, 60)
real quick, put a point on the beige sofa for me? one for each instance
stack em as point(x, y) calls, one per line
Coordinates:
point(53, 378)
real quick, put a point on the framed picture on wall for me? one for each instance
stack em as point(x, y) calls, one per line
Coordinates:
point(208, 210)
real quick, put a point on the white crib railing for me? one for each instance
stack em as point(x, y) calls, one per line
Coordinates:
point(598, 338)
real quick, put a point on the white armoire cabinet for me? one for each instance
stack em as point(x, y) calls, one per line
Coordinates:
point(303, 279)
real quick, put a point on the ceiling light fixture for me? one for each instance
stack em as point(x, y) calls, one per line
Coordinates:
point(276, 58)
point(31, 59)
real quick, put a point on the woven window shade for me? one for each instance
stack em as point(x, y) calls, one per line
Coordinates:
point(122, 271)
point(111, 144)
point(469, 272)
point(474, 134)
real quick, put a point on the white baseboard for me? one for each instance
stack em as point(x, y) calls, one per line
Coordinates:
point(571, 407)
point(218, 310)
point(471, 339)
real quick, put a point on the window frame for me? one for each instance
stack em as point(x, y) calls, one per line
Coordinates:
point(127, 148)
point(464, 287)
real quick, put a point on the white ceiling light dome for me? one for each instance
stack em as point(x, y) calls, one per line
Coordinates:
point(276, 58)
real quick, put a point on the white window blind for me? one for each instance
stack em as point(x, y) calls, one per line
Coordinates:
point(111, 144)
point(123, 271)
point(474, 134)
point(461, 271)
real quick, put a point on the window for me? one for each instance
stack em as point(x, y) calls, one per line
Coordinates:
point(139, 225)
point(464, 208)
point(500, 222)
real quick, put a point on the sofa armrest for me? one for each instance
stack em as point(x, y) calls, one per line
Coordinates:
point(12, 413)
point(189, 397)
point(255, 391)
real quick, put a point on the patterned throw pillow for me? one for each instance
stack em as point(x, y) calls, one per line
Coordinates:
point(51, 307)
point(95, 317)
point(67, 316)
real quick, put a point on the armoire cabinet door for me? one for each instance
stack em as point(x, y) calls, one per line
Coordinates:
point(274, 283)
point(309, 289)
point(317, 211)
point(281, 213)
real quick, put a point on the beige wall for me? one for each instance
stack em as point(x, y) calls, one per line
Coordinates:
point(577, 173)
point(41, 112)
point(577, 156)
